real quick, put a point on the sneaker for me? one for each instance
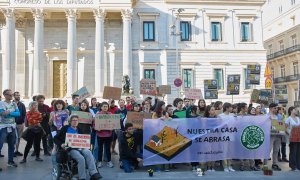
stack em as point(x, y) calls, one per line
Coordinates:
point(242, 168)
point(275, 167)
point(23, 161)
point(12, 164)
point(99, 165)
point(212, 170)
point(17, 153)
point(167, 170)
point(110, 164)
point(0, 169)
point(1, 155)
point(285, 160)
point(209, 170)
point(226, 170)
point(255, 168)
point(231, 169)
point(96, 176)
point(38, 159)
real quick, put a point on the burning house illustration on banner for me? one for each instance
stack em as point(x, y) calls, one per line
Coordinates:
point(168, 143)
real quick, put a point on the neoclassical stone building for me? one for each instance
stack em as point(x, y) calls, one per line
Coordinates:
point(55, 47)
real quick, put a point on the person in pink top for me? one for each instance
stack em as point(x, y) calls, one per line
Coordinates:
point(104, 137)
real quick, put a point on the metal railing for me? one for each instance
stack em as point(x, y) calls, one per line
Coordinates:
point(284, 52)
point(290, 78)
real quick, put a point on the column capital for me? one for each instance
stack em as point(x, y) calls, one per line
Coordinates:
point(126, 13)
point(38, 14)
point(71, 13)
point(99, 13)
point(21, 22)
point(8, 12)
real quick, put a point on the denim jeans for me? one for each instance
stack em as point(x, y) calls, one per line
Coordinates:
point(128, 164)
point(10, 138)
point(84, 158)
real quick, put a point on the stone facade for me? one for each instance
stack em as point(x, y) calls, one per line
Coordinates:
point(123, 49)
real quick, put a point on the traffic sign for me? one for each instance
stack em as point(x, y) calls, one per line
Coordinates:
point(268, 71)
point(268, 83)
point(177, 82)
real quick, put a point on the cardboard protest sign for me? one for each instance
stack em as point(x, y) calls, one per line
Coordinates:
point(78, 140)
point(281, 94)
point(137, 118)
point(84, 117)
point(148, 87)
point(164, 89)
point(255, 95)
point(210, 89)
point(265, 96)
point(233, 84)
point(193, 93)
point(82, 93)
point(107, 122)
point(295, 134)
point(113, 93)
point(278, 127)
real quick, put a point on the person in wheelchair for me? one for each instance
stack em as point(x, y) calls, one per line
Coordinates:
point(83, 157)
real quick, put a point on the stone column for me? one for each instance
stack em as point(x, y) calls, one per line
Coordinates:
point(71, 52)
point(111, 51)
point(9, 49)
point(99, 51)
point(127, 43)
point(38, 53)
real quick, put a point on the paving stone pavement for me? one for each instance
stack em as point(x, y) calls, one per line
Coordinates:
point(34, 170)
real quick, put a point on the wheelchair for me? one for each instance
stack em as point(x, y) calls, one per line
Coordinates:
point(66, 167)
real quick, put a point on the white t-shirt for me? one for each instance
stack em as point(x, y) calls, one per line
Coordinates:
point(290, 122)
point(226, 117)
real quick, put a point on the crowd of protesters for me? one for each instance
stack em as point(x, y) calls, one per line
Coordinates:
point(41, 121)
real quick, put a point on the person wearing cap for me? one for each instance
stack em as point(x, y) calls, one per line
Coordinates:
point(275, 140)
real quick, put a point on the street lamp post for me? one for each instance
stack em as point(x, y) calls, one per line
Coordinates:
point(176, 32)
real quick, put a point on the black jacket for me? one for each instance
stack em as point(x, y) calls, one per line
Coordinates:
point(60, 137)
point(22, 109)
point(126, 153)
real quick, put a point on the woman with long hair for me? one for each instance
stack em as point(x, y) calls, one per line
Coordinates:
point(201, 107)
point(210, 113)
point(84, 106)
point(293, 122)
point(159, 109)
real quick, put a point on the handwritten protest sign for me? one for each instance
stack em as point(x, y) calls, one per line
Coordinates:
point(82, 93)
point(107, 122)
point(78, 140)
point(137, 118)
point(193, 93)
point(148, 87)
point(278, 127)
point(112, 93)
point(164, 89)
point(295, 134)
point(84, 117)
